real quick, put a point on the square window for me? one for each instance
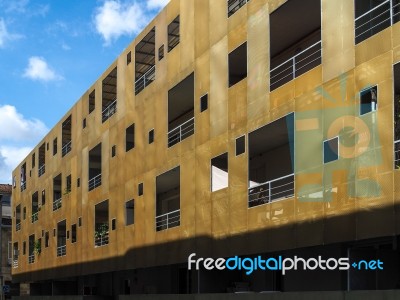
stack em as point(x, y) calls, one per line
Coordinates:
point(368, 100)
point(240, 145)
point(203, 102)
point(331, 150)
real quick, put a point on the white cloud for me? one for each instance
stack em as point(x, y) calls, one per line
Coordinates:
point(14, 127)
point(114, 19)
point(156, 4)
point(38, 69)
point(10, 157)
point(24, 7)
point(5, 36)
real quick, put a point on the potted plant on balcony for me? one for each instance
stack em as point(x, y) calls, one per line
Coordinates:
point(102, 231)
point(37, 247)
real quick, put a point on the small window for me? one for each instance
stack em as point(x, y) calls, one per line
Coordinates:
point(46, 239)
point(240, 145)
point(173, 34)
point(73, 233)
point(331, 150)
point(69, 184)
point(54, 232)
point(368, 100)
point(78, 182)
point(203, 102)
point(151, 136)
point(24, 248)
point(43, 197)
point(113, 151)
point(80, 221)
point(24, 213)
point(33, 160)
point(92, 101)
point(219, 172)
point(130, 138)
point(161, 52)
point(128, 58)
point(47, 145)
point(129, 212)
point(140, 189)
point(84, 123)
point(14, 182)
point(67, 234)
point(113, 224)
point(55, 146)
point(237, 62)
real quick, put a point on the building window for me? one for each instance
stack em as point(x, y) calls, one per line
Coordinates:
point(92, 101)
point(203, 102)
point(55, 146)
point(113, 224)
point(396, 121)
point(46, 239)
point(84, 123)
point(240, 145)
point(101, 223)
point(24, 248)
point(173, 34)
point(237, 63)
point(161, 52)
point(73, 233)
point(43, 197)
point(368, 100)
point(113, 151)
point(66, 139)
point(235, 5)
point(69, 185)
point(151, 136)
point(140, 189)
point(129, 212)
point(95, 167)
point(219, 172)
point(331, 149)
point(80, 221)
point(145, 61)
point(24, 213)
point(78, 182)
point(128, 58)
point(109, 95)
point(33, 160)
point(130, 137)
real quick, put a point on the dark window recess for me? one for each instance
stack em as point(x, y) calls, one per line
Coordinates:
point(173, 34)
point(129, 212)
point(140, 189)
point(69, 184)
point(237, 62)
point(73, 233)
point(396, 121)
point(66, 140)
point(43, 197)
point(80, 221)
point(24, 213)
point(161, 52)
point(235, 5)
point(113, 151)
point(113, 224)
point(78, 182)
point(92, 101)
point(369, 100)
point(219, 172)
point(151, 136)
point(42, 233)
point(46, 239)
point(240, 145)
point(55, 146)
point(67, 234)
point(33, 160)
point(109, 95)
point(84, 123)
point(130, 138)
point(203, 102)
point(95, 167)
point(47, 146)
point(145, 60)
point(331, 150)
point(24, 248)
point(54, 232)
point(128, 58)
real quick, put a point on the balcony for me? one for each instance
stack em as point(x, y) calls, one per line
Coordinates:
point(35, 217)
point(272, 190)
point(181, 132)
point(15, 263)
point(109, 110)
point(168, 220)
point(66, 148)
point(42, 170)
point(23, 186)
point(17, 226)
point(375, 19)
point(94, 182)
point(61, 250)
point(31, 258)
point(146, 79)
point(235, 5)
point(295, 66)
point(397, 154)
point(57, 204)
point(101, 239)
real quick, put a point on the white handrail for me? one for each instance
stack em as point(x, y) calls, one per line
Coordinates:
point(31, 258)
point(149, 71)
point(66, 148)
point(62, 250)
point(35, 217)
point(376, 7)
point(167, 220)
point(42, 170)
point(270, 181)
point(57, 203)
point(94, 182)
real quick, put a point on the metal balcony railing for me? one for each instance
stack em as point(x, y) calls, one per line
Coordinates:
point(272, 190)
point(62, 250)
point(57, 204)
point(181, 132)
point(376, 19)
point(17, 226)
point(15, 263)
point(94, 182)
point(35, 217)
point(235, 5)
point(101, 240)
point(66, 148)
point(295, 66)
point(109, 111)
point(145, 80)
point(168, 220)
point(41, 170)
point(31, 258)
point(23, 185)
point(397, 154)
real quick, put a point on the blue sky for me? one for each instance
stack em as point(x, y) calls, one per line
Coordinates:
point(50, 54)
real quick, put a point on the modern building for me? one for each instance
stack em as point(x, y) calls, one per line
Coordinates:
point(226, 128)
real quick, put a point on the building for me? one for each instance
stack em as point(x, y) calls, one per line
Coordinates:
point(225, 128)
point(5, 239)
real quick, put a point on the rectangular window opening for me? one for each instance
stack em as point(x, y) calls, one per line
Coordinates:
point(130, 137)
point(237, 63)
point(203, 102)
point(369, 100)
point(240, 145)
point(66, 136)
point(92, 101)
point(95, 158)
point(219, 172)
point(109, 95)
point(101, 224)
point(145, 61)
point(129, 212)
point(173, 34)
